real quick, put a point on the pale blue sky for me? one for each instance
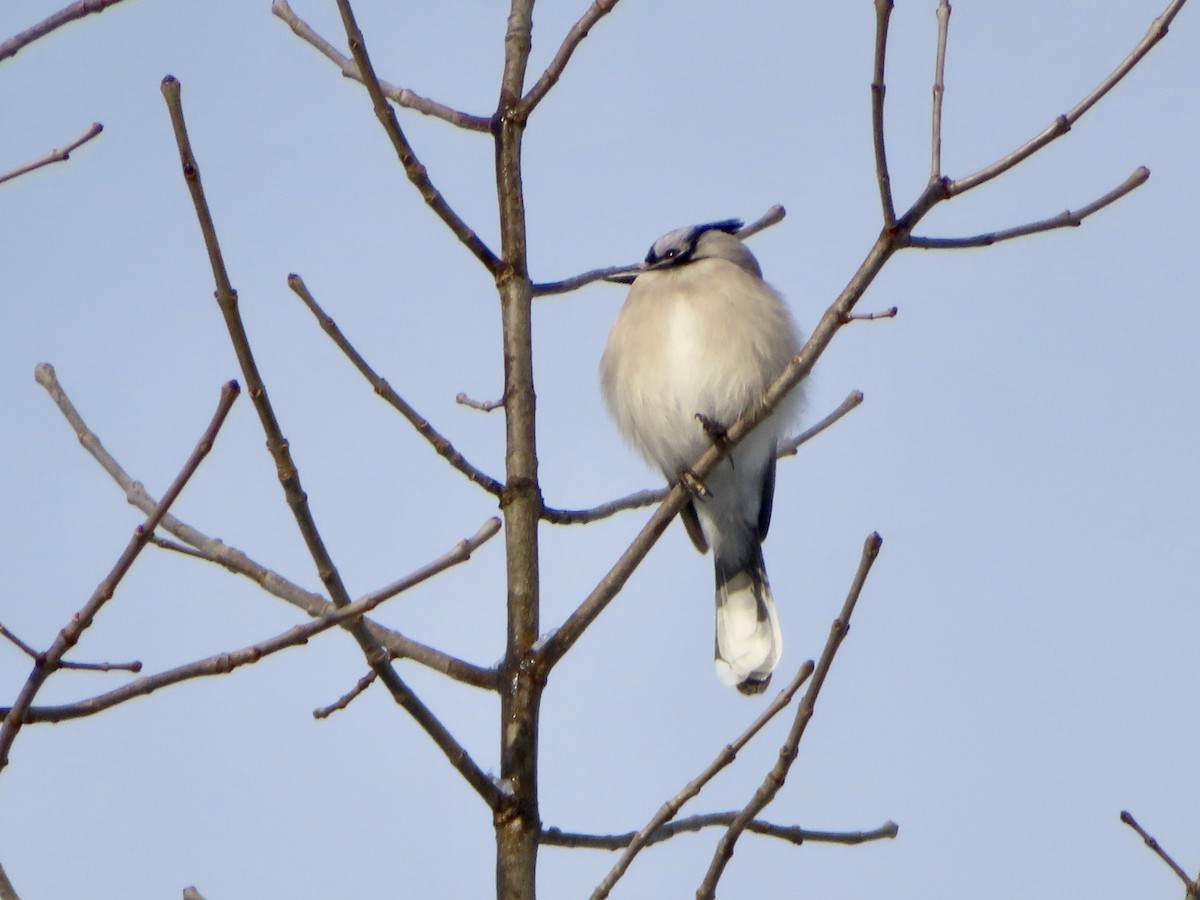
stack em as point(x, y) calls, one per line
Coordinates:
point(1022, 663)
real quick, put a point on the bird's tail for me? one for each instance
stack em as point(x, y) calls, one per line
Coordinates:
point(749, 640)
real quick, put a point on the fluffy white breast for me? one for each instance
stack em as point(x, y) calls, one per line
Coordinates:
point(706, 338)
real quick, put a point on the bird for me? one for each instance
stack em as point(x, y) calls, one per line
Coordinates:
point(695, 346)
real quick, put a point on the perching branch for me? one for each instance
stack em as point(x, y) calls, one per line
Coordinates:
point(1067, 219)
point(412, 166)
point(401, 96)
point(67, 14)
point(671, 808)
point(650, 496)
point(598, 10)
point(787, 754)
point(439, 443)
point(55, 155)
point(234, 560)
point(49, 662)
point(224, 663)
point(289, 475)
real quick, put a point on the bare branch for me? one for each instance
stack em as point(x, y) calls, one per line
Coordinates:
point(1061, 125)
point(787, 754)
point(789, 446)
point(346, 699)
point(18, 643)
point(25, 648)
point(401, 96)
point(671, 808)
point(67, 14)
point(7, 891)
point(939, 89)
point(48, 663)
point(289, 475)
point(772, 216)
point(648, 497)
point(575, 282)
point(237, 562)
point(481, 405)
point(55, 155)
point(412, 166)
point(224, 663)
point(439, 443)
point(598, 10)
point(889, 313)
point(883, 14)
point(555, 837)
point(622, 274)
point(1193, 887)
point(1067, 219)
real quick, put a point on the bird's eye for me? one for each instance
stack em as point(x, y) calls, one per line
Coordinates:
point(671, 254)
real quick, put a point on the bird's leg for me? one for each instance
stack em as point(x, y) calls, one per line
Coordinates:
point(716, 433)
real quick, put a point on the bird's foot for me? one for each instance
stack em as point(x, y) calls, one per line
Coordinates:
point(692, 484)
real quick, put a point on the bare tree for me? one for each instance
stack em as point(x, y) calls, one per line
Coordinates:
point(533, 648)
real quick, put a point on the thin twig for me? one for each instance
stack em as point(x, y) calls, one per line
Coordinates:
point(671, 808)
point(18, 643)
point(289, 475)
point(481, 405)
point(598, 10)
point(223, 663)
point(883, 14)
point(889, 313)
point(49, 662)
point(939, 89)
point(65, 15)
point(787, 754)
point(1067, 219)
point(1128, 819)
point(556, 837)
point(25, 648)
point(789, 446)
point(237, 562)
point(55, 155)
point(773, 216)
point(182, 549)
point(1061, 125)
point(413, 168)
point(347, 698)
point(401, 96)
point(440, 444)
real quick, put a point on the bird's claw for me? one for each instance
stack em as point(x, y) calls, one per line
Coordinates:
point(693, 485)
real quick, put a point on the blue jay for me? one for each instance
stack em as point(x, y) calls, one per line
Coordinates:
point(700, 338)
